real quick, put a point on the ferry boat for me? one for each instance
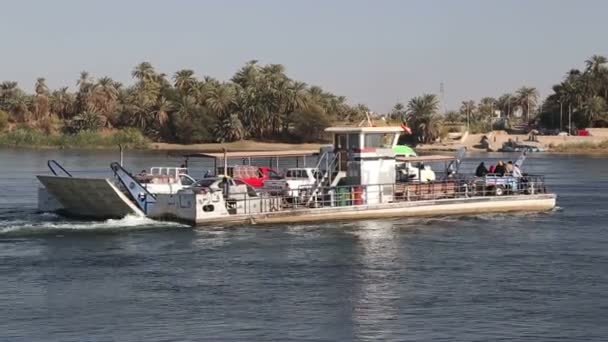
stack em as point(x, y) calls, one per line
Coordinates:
point(360, 177)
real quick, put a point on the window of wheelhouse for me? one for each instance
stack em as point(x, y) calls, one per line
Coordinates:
point(340, 142)
point(379, 140)
point(353, 141)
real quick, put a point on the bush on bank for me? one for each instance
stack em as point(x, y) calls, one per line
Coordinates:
point(582, 146)
point(28, 137)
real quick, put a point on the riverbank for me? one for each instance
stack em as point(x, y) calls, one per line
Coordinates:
point(132, 139)
point(595, 144)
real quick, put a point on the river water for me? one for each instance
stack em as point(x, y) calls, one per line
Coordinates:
point(526, 277)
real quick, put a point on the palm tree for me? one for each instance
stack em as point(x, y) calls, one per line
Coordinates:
point(42, 106)
point(41, 87)
point(506, 104)
point(595, 107)
point(9, 91)
point(185, 81)
point(423, 116)
point(138, 111)
point(247, 76)
point(84, 79)
point(62, 103)
point(104, 97)
point(597, 74)
point(595, 64)
point(296, 100)
point(453, 116)
point(527, 99)
point(229, 129)
point(398, 112)
point(161, 111)
point(84, 101)
point(485, 110)
point(221, 100)
point(144, 72)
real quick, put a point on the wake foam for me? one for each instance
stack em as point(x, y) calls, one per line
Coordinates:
point(47, 223)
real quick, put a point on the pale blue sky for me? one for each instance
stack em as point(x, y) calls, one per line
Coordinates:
point(373, 52)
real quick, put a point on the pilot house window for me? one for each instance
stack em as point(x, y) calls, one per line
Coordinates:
point(378, 140)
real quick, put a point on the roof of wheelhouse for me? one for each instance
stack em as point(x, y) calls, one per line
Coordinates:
point(382, 129)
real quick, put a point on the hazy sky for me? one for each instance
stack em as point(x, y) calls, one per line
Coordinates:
point(373, 52)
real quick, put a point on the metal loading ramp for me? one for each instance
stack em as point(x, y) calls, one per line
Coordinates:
point(89, 197)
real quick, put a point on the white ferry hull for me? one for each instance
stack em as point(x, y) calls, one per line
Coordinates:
point(430, 208)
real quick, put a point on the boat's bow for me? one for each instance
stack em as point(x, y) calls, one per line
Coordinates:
point(89, 197)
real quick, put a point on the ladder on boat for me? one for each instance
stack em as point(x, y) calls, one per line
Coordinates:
point(133, 189)
point(328, 163)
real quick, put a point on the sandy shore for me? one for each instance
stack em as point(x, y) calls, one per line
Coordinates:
point(553, 144)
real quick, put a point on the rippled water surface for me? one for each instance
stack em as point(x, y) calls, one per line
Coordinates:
point(527, 277)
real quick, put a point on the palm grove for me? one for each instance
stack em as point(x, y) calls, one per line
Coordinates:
point(259, 102)
point(579, 101)
point(262, 102)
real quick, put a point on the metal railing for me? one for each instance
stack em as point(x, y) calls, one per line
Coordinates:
point(343, 196)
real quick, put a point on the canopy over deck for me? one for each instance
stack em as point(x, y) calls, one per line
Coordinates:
point(253, 154)
point(427, 159)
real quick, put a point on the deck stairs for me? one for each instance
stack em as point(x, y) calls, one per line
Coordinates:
point(329, 165)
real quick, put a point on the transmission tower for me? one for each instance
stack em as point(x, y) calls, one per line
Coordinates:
point(442, 97)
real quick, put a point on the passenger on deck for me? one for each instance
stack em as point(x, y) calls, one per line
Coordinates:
point(500, 169)
point(225, 187)
point(492, 169)
point(516, 171)
point(143, 173)
point(509, 167)
point(481, 170)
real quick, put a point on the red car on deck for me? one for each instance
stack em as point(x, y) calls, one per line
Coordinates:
point(252, 175)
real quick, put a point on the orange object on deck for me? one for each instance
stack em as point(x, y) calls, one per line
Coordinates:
point(358, 195)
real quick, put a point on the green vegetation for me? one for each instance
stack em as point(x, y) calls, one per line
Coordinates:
point(585, 146)
point(260, 102)
point(422, 114)
point(29, 137)
point(3, 120)
point(581, 97)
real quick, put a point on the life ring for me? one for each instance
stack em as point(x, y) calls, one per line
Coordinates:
point(204, 199)
point(215, 197)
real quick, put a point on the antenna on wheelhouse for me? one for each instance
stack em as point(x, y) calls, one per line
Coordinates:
point(442, 98)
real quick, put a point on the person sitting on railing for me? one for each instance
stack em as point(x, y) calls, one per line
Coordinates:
point(481, 170)
point(516, 171)
point(500, 169)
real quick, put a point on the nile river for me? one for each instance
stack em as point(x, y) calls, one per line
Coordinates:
point(526, 277)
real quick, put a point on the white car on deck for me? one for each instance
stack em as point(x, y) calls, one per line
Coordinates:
point(236, 187)
point(295, 179)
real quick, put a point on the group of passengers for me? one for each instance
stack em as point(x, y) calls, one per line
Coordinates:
point(500, 169)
